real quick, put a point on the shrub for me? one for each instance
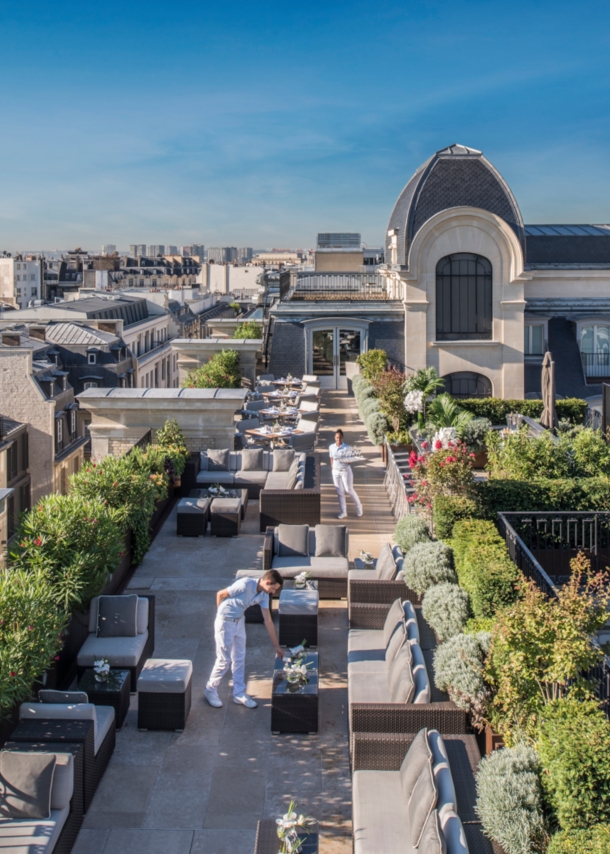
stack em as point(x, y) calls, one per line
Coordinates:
point(357, 382)
point(475, 433)
point(445, 607)
point(458, 670)
point(30, 632)
point(484, 567)
point(521, 457)
point(444, 411)
point(75, 541)
point(411, 530)
point(427, 564)
point(366, 391)
point(509, 800)
point(443, 472)
point(248, 329)
point(171, 439)
point(449, 509)
point(574, 748)
point(496, 409)
point(372, 363)
point(591, 452)
point(220, 371)
point(369, 404)
point(377, 426)
point(593, 840)
point(389, 390)
point(497, 496)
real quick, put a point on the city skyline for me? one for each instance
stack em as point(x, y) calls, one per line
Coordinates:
point(364, 96)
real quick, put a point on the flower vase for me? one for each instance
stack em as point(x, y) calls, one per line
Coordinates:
point(100, 677)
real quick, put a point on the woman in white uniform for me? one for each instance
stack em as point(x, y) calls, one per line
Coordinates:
point(343, 477)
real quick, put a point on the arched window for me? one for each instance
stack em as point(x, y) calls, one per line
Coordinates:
point(463, 298)
point(467, 384)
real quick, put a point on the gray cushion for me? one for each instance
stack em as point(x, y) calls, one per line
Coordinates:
point(442, 772)
point(292, 479)
point(386, 565)
point(337, 565)
point(364, 648)
point(120, 652)
point(277, 480)
point(165, 676)
point(104, 716)
point(396, 641)
point(432, 839)
point(218, 459)
point(117, 616)
point(61, 712)
point(245, 478)
point(395, 616)
point(294, 466)
point(194, 506)
point(252, 460)
point(420, 674)
point(203, 461)
point(368, 686)
point(400, 676)
point(283, 459)
point(330, 540)
point(63, 782)
point(25, 784)
point(298, 563)
point(47, 695)
point(299, 602)
point(418, 754)
point(226, 505)
point(380, 821)
point(292, 540)
point(422, 802)
point(209, 478)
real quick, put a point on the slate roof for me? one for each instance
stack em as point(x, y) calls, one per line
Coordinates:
point(567, 246)
point(72, 333)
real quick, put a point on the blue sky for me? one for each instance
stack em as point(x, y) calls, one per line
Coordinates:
point(262, 123)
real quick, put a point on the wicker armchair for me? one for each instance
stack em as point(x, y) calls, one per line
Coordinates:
point(369, 598)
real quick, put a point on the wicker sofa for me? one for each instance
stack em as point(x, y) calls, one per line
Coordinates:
point(389, 814)
point(370, 592)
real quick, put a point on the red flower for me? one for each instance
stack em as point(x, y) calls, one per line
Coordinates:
point(30, 628)
point(424, 444)
point(451, 444)
point(13, 673)
point(472, 456)
point(56, 658)
point(438, 444)
point(37, 541)
point(424, 483)
point(116, 483)
point(441, 464)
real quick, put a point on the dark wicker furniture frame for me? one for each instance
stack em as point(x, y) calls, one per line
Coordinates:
point(148, 650)
point(77, 801)
point(193, 524)
point(118, 698)
point(164, 710)
point(369, 600)
point(268, 843)
point(328, 588)
point(225, 523)
point(294, 506)
point(295, 713)
point(69, 731)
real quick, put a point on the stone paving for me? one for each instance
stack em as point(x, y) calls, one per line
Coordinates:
point(204, 790)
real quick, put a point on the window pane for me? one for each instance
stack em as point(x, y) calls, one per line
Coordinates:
point(463, 298)
point(349, 348)
point(586, 339)
point(526, 340)
point(602, 339)
point(537, 340)
point(322, 343)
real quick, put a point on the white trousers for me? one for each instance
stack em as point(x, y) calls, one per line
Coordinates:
point(344, 483)
point(230, 640)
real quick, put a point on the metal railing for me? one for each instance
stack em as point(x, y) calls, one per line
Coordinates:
point(596, 364)
point(302, 285)
point(593, 419)
point(395, 483)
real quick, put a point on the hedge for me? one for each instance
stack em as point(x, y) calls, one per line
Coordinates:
point(449, 509)
point(496, 409)
point(593, 840)
point(497, 496)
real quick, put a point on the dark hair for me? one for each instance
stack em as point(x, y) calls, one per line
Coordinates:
point(274, 576)
point(338, 430)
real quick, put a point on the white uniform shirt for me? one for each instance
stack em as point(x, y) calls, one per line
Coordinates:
point(242, 594)
point(336, 452)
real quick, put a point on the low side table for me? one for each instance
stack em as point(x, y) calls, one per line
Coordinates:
point(114, 692)
point(235, 492)
point(192, 516)
point(294, 708)
point(225, 517)
point(298, 610)
point(267, 841)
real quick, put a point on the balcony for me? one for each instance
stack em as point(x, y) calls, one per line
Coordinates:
point(311, 286)
point(596, 365)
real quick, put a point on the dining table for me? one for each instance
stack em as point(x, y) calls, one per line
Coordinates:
point(272, 437)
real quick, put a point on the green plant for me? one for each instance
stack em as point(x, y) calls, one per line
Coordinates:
point(458, 670)
point(443, 411)
point(30, 632)
point(411, 530)
point(445, 608)
point(399, 437)
point(369, 404)
point(389, 390)
point(377, 426)
point(509, 800)
point(427, 564)
point(484, 567)
point(442, 472)
point(449, 509)
point(236, 307)
point(574, 747)
point(475, 433)
point(372, 362)
point(75, 541)
point(425, 380)
point(497, 496)
point(496, 409)
point(520, 456)
point(365, 390)
point(248, 329)
point(220, 371)
point(171, 439)
point(541, 647)
point(593, 840)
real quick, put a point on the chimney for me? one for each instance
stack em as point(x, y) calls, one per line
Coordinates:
point(38, 332)
point(11, 339)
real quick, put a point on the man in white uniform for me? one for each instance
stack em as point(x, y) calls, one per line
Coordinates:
point(343, 477)
point(230, 633)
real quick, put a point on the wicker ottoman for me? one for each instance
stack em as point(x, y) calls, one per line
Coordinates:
point(225, 517)
point(164, 694)
point(192, 517)
point(298, 610)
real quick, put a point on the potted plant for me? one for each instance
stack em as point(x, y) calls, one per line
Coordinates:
point(289, 828)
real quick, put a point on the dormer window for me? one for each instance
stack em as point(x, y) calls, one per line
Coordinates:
point(73, 422)
point(393, 245)
point(91, 358)
point(59, 431)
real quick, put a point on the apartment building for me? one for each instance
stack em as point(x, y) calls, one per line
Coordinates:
point(15, 481)
point(20, 280)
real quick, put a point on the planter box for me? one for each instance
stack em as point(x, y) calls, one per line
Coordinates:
point(480, 460)
point(493, 741)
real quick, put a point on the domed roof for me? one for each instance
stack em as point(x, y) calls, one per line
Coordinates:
point(453, 177)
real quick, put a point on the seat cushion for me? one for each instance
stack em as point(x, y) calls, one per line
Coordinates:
point(298, 563)
point(380, 819)
point(196, 506)
point(245, 478)
point(331, 541)
point(277, 480)
point(365, 650)
point(400, 676)
point(26, 780)
point(209, 478)
point(105, 718)
point(385, 569)
point(292, 540)
point(368, 686)
point(117, 616)
point(252, 459)
point(298, 602)
point(329, 567)
point(225, 505)
point(362, 574)
point(33, 836)
point(165, 676)
point(60, 711)
point(120, 652)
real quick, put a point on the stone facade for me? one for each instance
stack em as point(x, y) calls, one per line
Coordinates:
point(191, 353)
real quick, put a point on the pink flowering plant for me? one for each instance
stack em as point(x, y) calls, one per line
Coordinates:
point(440, 471)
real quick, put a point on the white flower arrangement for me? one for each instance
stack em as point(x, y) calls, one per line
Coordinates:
point(445, 436)
point(414, 401)
point(289, 826)
point(366, 558)
point(101, 668)
point(302, 578)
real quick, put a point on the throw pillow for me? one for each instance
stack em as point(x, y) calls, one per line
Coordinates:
point(48, 695)
point(292, 480)
point(25, 784)
point(203, 461)
point(400, 676)
point(395, 616)
point(432, 840)
point(293, 540)
point(218, 460)
point(283, 458)
point(453, 831)
point(386, 565)
point(396, 641)
point(117, 616)
point(294, 467)
point(422, 802)
point(330, 540)
point(252, 460)
point(416, 757)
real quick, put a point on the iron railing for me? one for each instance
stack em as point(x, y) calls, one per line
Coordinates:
point(313, 285)
point(396, 484)
point(596, 364)
point(593, 419)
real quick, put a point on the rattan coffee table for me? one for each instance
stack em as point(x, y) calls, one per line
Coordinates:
point(298, 614)
point(294, 708)
point(114, 692)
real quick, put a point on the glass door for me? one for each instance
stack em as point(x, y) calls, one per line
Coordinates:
point(331, 350)
point(348, 341)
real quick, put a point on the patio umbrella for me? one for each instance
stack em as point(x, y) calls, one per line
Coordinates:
point(549, 415)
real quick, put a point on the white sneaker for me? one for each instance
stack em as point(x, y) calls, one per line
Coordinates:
point(360, 512)
point(246, 701)
point(212, 697)
point(342, 516)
